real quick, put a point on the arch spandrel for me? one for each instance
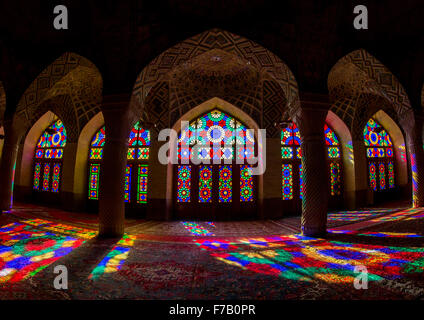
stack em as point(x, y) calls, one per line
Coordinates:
point(245, 49)
point(71, 76)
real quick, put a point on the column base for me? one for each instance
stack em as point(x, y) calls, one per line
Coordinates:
point(110, 232)
point(314, 231)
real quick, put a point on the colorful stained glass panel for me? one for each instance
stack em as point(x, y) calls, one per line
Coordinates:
point(142, 183)
point(287, 181)
point(382, 175)
point(46, 177)
point(391, 174)
point(99, 139)
point(56, 177)
point(333, 152)
point(205, 184)
point(93, 189)
point(184, 183)
point(225, 183)
point(246, 184)
point(96, 153)
point(37, 175)
point(335, 178)
point(127, 185)
point(372, 172)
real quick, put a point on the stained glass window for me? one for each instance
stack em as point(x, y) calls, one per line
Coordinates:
point(138, 156)
point(246, 184)
point(93, 189)
point(226, 144)
point(142, 183)
point(184, 183)
point(218, 136)
point(372, 170)
point(127, 185)
point(301, 180)
point(37, 174)
point(225, 183)
point(205, 184)
point(287, 181)
point(49, 154)
point(291, 155)
point(379, 151)
point(335, 182)
point(56, 177)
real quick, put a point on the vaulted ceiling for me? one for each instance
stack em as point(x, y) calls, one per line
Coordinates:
point(122, 37)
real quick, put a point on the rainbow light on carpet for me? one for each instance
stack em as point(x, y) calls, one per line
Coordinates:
point(196, 229)
point(408, 214)
point(354, 216)
point(25, 251)
point(61, 228)
point(306, 259)
point(377, 234)
point(115, 259)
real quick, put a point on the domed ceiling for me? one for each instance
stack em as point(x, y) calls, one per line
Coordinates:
point(215, 73)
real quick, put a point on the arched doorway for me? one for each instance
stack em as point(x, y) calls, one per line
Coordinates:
point(136, 170)
point(212, 179)
point(47, 163)
point(292, 179)
point(381, 161)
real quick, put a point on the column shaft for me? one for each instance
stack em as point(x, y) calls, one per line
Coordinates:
point(311, 122)
point(112, 172)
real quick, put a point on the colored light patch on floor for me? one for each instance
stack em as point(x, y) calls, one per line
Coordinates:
point(408, 214)
point(196, 229)
point(305, 259)
point(25, 251)
point(377, 234)
point(115, 259)
point(61, 228)
point(356, 216)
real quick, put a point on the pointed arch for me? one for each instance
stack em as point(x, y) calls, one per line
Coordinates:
point(399, 145)
point(359, 76)
point(71, 87)
point(30, 143)
point(83, 149)
point(206, 107)
point(345, 137)
point(254, 55)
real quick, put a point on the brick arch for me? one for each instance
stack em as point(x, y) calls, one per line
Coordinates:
point(260, 57)
point(70, 79)
point(357, 80)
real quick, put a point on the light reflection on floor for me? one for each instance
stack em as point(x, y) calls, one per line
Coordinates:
point(356, 216)
point(25, 251)
point(408, 214)
point(377, 234)
point(196, 229)
point(114, 260)
point(304, 259)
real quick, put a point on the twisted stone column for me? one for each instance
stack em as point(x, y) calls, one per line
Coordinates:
point(112, 173)
point(8, 160)
point(314, 163)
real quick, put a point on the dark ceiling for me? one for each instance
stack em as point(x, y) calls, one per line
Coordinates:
point(121, 37)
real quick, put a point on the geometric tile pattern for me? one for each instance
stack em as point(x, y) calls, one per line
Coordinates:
point(259, 57)
point(358, 83)
point(71, 87)
point(274, 102)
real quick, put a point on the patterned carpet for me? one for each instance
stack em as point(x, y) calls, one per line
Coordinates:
point(211, 260)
